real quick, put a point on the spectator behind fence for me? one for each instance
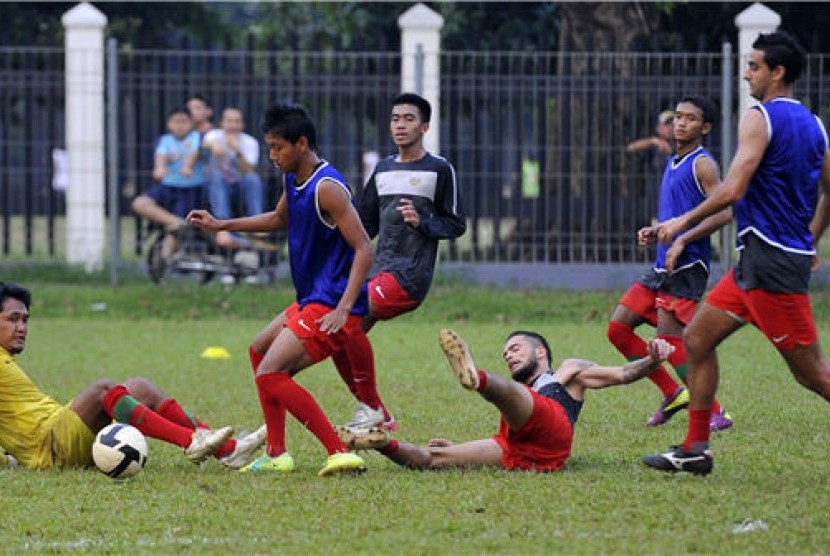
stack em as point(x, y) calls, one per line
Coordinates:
point(180, 177)
point(200, 112)
point(233, 157)
point(661, 142)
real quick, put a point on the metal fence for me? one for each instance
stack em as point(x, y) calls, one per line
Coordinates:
point(537, 139)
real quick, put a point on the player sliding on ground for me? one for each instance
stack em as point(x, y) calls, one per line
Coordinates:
point(539, 406)
point(39, 433)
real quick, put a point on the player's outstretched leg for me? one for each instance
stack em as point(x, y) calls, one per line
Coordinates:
point(460, 359)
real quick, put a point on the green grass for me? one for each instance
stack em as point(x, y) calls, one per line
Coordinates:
point(772, 466)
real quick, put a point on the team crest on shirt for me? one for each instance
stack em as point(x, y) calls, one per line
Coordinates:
point(414, 181)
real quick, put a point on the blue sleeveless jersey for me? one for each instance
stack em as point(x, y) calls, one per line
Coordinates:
point(783, 192)
point(320, 257)
point(680, 192)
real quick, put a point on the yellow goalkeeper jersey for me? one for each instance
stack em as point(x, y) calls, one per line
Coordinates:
point(25, 414)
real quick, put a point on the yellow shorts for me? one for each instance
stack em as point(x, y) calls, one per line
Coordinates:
point(68, 440)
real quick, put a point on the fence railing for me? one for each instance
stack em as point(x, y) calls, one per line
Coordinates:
point(537, 139)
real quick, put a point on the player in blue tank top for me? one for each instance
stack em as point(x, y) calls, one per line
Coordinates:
point(781, 162)
point(330, 256)
point(667, 295)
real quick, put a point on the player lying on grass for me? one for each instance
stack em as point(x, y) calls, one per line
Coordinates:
point(39, 433)
point(539, 406)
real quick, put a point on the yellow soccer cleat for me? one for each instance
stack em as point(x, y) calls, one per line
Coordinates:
point(343, 462)
point(283, 463)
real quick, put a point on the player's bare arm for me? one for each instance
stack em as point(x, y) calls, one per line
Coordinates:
point(821, 218)
point(752, 142)
point(276, 219)
point(336, 204)
point(591, 375)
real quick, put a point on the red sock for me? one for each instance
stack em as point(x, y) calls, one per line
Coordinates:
point(633, 347)
point(171, 410)
point(698, 428)
point(274, 413)
point(361, 360)
point(281, 389)
point(122, 407)
point(344, 369)
point(482, 380)
point(256, 358)
point(390, 448)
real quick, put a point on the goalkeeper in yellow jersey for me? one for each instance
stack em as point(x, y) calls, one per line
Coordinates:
point(38, 432)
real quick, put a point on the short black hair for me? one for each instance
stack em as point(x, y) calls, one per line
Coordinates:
point(178, 110)
point(706, 105)
point(538, 339)
point(781, 49)
point(290, 121)
point(197, 96)
point(416, 100)
point(14, 291)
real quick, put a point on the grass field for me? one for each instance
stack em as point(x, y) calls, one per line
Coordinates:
point(770, 469)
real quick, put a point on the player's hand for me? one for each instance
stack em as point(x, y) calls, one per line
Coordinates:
point(673, 254)
point(815, 263)
point(659, 349)
point(666, 231)
point(646, 236)
point(203, 220)
point(334, 321)
point(187, 171)
point(439, 443)
point(409, 212)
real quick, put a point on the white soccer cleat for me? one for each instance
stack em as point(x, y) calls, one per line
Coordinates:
point(246, 447)
point(206, 442)
point(364, 419)
point(460, 359)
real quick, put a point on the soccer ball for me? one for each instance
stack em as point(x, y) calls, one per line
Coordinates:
point(119, 450)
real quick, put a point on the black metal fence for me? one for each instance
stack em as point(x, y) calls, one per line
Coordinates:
point(537, 139)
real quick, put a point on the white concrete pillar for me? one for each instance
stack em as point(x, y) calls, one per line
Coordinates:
point(85, 26)
point(751, 22)
point(421, 40)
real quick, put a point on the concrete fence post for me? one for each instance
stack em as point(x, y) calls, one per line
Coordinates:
point(85, 26)
point(421, 64)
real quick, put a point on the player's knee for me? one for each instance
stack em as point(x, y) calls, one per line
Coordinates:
point(618, 333)
point(143, 390)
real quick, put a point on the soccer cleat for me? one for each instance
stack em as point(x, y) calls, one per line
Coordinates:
point(365, 418)
point(343, 462)
point(372, 439)
point(246, 447)
point(205, 442)
point(678, 459)
point(671, 405)
point(720, 421)
point(283, 463)
point(458, 355)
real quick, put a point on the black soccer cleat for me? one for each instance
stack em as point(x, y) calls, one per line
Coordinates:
point(678, 459)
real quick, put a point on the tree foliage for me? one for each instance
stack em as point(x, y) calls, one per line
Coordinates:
point(373, 26)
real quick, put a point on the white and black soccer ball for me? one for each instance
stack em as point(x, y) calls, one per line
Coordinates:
point(119, 450)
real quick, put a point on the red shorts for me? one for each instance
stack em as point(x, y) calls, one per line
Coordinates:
point(786, 319)
point(388, 299)
point(303, 323)
point(645, 302)
point(543, 443)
